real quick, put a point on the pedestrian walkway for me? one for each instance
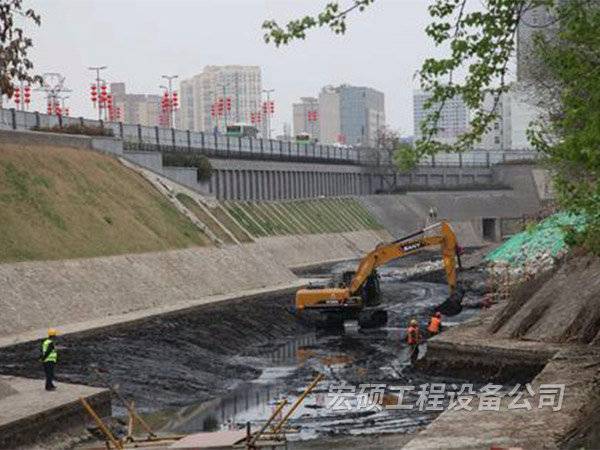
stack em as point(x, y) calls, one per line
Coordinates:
point(28, 412)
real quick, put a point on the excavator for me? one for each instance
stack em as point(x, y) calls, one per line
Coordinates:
point(357, 295)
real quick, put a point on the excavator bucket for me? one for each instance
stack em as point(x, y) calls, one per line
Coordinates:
point(453, 304)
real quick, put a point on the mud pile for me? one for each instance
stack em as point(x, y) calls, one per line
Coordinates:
point(563, 307)
point(172, 361)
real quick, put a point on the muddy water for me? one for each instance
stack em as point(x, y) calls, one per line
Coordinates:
point(230, 363)
point(349, 357)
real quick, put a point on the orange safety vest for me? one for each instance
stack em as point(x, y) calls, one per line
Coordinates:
point(434, 325)
point(412, 337)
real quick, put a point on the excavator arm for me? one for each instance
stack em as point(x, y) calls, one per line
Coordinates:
point(385, 253)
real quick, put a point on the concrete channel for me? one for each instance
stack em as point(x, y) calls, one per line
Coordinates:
point(229, 362)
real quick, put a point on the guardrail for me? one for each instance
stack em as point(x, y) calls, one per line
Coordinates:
point(139, 137)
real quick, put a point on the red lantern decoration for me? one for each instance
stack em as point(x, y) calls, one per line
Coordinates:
point(212, 110)
point(103, 96)
point(27, 95)
point(94, 94)
point(174, 100)
point(271, 106)
point(228, 103)
point(17, 95)
point(49, 108)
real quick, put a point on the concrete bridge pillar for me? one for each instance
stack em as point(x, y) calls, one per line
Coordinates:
point(229, 184)
point(261, 185)
point(279, 190)
point(272, 184)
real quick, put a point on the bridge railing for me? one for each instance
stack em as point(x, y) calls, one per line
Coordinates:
point(139, 137)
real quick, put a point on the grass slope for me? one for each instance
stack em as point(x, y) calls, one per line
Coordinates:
point(60, 203)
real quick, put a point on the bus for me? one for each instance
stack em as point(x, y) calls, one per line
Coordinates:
point(303, 138)
point(241, 130)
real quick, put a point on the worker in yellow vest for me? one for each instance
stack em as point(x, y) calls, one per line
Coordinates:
point(49, 358)
point(435, 324)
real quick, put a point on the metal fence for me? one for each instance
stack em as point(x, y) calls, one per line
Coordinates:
point(138, 137)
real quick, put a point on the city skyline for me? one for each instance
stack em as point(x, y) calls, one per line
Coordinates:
point(96, 36)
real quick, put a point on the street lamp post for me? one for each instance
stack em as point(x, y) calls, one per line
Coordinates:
point(97, 69)
point(173, 101)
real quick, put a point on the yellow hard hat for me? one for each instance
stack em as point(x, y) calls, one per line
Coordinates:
point(52, 332)
point(414, 322)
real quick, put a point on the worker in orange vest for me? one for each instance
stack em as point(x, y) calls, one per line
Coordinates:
point(435, 324)
point(413, 339)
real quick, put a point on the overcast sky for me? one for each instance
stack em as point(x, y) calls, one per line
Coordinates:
point(141, 39)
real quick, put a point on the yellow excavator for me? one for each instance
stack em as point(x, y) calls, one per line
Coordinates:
point(357, 295)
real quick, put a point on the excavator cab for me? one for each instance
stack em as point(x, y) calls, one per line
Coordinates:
point(370, 292)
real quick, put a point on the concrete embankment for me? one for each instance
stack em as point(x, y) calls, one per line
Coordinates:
point(546, 334)
point(475, 215)
point(28, 414)
point(99, 290)
point(88, 242)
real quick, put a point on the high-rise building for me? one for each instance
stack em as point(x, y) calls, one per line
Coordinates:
point(351, 115)
point(137, 108)
point(498, 137)
point(240, 84)
point(329, 116)
point(515, 114)
point(453, 121)
point(306, 117)
point(538, 20)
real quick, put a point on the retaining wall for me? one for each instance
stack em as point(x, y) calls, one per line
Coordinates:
point(102, 144)
point(36, 295)
point(403, 213)
point(297, 252)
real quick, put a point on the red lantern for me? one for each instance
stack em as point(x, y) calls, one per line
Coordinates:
point(94, 94)
point(265, 107)
point(212, 110)
point(228, 103)
point(175, 100)
point(271, 106)
point(49, 108)
point(17, 95)
point(258, 117)
point(103, 96)
point(27, 94)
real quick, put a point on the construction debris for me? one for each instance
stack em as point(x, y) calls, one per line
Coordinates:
point(539, 244)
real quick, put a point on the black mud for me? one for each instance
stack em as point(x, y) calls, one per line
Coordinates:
point(231, 361)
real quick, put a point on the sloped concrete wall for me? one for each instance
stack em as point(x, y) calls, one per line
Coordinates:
point(301, 251)
point(35, 295)
point(403, 213)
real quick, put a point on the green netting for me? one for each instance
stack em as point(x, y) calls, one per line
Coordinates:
point(547, 237)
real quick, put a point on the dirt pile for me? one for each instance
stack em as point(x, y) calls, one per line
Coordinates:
point(563, 308)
